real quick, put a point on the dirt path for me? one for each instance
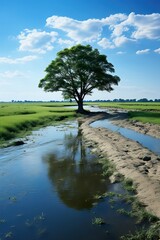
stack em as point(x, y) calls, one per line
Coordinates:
point(130, 159)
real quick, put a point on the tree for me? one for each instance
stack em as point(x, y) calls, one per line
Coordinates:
point(76, 71)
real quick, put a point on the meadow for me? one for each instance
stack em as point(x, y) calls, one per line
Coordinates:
point(18, 119)
point(141, 111)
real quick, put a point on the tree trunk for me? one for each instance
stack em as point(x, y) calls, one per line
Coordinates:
point(80, 106)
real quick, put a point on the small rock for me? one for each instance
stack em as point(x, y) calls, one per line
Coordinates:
point(18, 143)
point(146, 158)
point(126, 150)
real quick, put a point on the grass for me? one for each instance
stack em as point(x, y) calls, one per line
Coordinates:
point(17, 119)
point(152, 233)
point(144, 112)
point(150, 117)
point(128, 185)
point(107, 167)
point(143, 106)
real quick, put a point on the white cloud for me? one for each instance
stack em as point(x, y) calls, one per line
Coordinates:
point(36, 41)
point(79, 31)
point(114, 19)
point(142, 51)
point(118, 41)
point(105, 43)
point(120, 53)
point(140, 26)
point(65, 42)
point(11, 74)
point(157, 50)
point(109, 32)
point(25, 59)
point(147, 26)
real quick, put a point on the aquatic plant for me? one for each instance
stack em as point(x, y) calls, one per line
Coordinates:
point(98, 221)
point(2, 221)
point(36, 219)
point(128, 185)
point(151, 233)
point(9, 235)
point(123, 211)
point(13, 198)
point(40, 217)
point(107, 167)
point(140, 212)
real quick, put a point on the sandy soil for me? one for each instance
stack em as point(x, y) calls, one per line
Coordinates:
point(121, 120)
point(129, 157)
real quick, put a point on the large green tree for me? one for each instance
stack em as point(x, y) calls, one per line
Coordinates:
point(76, 71)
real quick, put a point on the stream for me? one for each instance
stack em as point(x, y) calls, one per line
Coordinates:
point(152, 143)
point(52, 187)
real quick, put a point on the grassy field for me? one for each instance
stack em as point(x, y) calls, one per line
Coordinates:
point(17, 119)
point(144, 112)
point(145, 106)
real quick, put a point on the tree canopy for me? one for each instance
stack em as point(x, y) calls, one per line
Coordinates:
point(76, 71)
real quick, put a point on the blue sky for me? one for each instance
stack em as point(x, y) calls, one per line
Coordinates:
point(32, 32)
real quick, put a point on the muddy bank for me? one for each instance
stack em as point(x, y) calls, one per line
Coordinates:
point(131, 160)
point(122, 120)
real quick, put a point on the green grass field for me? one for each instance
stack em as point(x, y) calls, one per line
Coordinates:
point(145, 106)
point(144, 112)
point(17, 119)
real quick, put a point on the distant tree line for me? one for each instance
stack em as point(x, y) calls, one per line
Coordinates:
point(128, 100)
point(114, 100)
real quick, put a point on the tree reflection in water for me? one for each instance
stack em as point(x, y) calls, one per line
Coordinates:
point(75, 173)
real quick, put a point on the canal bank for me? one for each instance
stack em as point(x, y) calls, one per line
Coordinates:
point(130, 158)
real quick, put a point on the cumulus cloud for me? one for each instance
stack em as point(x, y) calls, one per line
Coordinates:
point(146, 26)
point(142, 51)
point(22, 60)
point(110, 32)
point(140, 26)
point(118, 41)
point(114, 19)
point(65, 42)
point(36, 41)
point(157, 50)
point(79, 31)
point(84, 31)
point(105, 43)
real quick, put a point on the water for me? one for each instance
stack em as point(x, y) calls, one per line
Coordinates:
point(48, 188)
point(147, 141)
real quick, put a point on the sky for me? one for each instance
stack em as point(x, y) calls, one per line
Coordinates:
point(126, 31)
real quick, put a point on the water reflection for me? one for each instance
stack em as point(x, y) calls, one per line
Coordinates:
point(75, 173)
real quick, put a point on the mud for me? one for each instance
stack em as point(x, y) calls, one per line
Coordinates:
point(130, 158)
